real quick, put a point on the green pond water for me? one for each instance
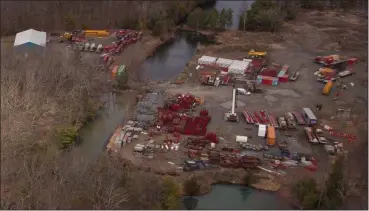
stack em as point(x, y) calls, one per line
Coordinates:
point(225, 196)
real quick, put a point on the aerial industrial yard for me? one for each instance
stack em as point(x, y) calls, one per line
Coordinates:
point(281, 106)
point(306, 146)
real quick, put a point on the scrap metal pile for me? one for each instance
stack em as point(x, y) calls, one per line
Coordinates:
point(202, 155)
point(175, 117)
point(147, 109)
point(124, 135)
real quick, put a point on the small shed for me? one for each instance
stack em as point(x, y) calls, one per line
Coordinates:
point(262, 130)
point(30, 40)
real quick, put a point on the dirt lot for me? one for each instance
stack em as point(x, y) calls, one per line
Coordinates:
point(313, 34)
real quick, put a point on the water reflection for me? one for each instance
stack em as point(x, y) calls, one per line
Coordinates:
point(224, 196)
point(171, 58)
point(190, 203)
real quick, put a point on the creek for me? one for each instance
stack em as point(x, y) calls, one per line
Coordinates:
point(167, 62)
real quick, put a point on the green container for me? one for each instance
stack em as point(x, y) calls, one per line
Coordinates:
point(121, 70)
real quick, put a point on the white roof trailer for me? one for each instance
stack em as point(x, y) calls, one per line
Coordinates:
point(224, 62)
point(238, 67)
point(207, 60)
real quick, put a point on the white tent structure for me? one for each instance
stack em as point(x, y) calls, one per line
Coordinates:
point(30, 40)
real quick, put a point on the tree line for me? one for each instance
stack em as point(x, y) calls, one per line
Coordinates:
point(68, 15)
point(210, 19)
point(269, 15)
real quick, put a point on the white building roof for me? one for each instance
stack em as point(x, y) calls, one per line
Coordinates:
point(30, 36)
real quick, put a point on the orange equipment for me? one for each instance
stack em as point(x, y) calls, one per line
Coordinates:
point(271, 136)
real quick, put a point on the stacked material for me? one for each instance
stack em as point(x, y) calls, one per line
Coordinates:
point(207, 60)
point(147, 109)
point(223, 63)
point(238, 67)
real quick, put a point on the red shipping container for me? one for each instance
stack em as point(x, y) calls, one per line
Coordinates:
point(283, 79)
point(269, 72)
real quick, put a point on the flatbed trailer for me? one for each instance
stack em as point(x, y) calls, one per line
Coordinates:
point(264, 117)
point(299, 118)
point(273, 121)
point(248, 117)
point(257, 118)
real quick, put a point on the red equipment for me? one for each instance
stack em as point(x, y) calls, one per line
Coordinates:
point(345, 135)
point(120, 33)
point(299, 118)
point(108, 48)
point(212, 137)
point(248, 117)
point(258, 118)
point(264, 118)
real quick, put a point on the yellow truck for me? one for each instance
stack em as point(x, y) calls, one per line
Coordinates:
point(256, 54)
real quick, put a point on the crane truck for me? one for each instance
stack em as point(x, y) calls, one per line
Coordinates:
point(231, 116)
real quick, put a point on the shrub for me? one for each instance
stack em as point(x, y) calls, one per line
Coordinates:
point(70, 23)
point(170, 195)
point(306, 193)
point(123, 81)
point(67, 136)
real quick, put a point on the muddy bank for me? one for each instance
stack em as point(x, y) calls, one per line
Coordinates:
point(229, 176)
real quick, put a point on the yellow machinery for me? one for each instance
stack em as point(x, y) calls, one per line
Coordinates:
point(327, 88)
point(66, 36)
point(256, 54)
point(96, 33)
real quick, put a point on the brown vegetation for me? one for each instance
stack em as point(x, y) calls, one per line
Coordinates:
point(41, 94)
point(68, 15)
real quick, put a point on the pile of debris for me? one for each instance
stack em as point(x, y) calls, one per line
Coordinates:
point(147, 109)
point(124, 135)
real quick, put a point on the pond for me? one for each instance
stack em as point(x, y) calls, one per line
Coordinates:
point(171, 58)
point(236, 197)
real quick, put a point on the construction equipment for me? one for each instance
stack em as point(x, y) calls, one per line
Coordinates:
point(93, 47)
point(99, 48)
point(120, 34)
point(71, 37)
point(256, 54)
point(81, 46)
point(232, 116)
point(87, 47)
point(327, 88)
point(66, 36)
